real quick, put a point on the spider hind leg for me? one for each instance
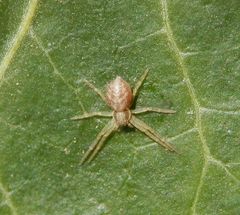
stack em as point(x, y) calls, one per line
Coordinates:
point(151, 133)
point(96, 146)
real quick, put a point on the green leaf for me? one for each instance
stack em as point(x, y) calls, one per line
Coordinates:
point(47, 49)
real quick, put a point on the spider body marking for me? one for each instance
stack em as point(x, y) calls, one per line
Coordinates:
point(120, 97)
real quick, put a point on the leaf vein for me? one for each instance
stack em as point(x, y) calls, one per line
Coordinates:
point(170, 139)
point(224, 166)
point(7, 198)
point(232, 164)
point(141, 39)
point(227, 112)
point(180, 60)
point(55, 69)
point(18, 38)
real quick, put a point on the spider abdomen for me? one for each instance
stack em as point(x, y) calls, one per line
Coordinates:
point(119, 95)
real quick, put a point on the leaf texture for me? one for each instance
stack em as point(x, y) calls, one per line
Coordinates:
point(48, 49)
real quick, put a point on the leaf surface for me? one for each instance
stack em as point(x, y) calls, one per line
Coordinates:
point(48, 49)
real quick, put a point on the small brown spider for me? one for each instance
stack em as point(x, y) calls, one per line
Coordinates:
point(120, 97)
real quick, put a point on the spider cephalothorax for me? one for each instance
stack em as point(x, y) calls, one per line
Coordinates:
point(120, 97)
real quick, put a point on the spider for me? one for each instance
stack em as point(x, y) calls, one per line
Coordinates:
point(120, 97)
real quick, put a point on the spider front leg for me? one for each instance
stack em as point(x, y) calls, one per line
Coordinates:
point(99, 141)
point(92, 114)
point(139, 83)
point(152, 109)
point(96, 90)
point(151, 133)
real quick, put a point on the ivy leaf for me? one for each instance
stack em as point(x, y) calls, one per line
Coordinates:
point(48, 49)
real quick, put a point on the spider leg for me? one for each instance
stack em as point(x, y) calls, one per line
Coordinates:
point(152, 109)
point(92, 114)
point(96, 90)
point(99, 141)
point(151, 133)
point(139, 83)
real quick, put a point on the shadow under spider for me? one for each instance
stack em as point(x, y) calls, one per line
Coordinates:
point(121, 98)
